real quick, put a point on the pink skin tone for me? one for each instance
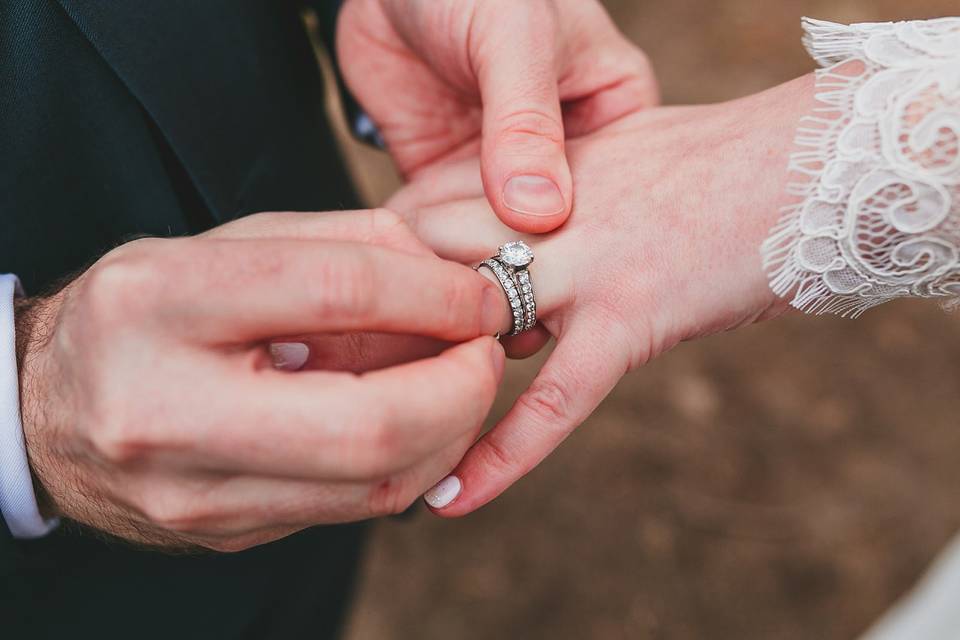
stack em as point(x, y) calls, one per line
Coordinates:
point(507, 80)
point(662, 246)
point(186, 463)
point(151, 410)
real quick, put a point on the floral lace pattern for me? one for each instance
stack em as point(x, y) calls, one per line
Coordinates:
point(877, 188)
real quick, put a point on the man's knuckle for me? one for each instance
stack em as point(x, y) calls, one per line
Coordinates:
point(119, 286)
point(243, 541)
point(392, 229)
point(230, 545)
point(119, 441)
point(387, 219)
point(391, 496)
point(379, 447)
point(345, 289)
point(461, 300)
point(531, 126)
point(641, 61)
point(171, 511)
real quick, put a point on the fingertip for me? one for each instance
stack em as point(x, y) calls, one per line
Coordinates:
point(498, 357)
point(533, 203)
point(496, 317)
point(449, 498)
point(481, 354)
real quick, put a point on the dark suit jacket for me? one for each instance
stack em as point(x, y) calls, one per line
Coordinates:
point(161, 117)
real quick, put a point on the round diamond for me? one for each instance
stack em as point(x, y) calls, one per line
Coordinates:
point(516, 254)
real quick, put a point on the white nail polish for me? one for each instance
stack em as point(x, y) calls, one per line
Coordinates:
point(445, 492)
point(289, 356)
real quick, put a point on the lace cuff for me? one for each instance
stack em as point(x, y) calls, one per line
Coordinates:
point(876, 187)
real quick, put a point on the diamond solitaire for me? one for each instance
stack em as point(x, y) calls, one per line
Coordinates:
point(516, 254)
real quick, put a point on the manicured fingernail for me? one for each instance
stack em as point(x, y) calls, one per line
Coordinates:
point(289, 356)
point(498, 355)
point(533, 196)
point(445, 492)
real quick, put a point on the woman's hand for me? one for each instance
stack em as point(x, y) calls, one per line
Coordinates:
point(662, 246)
point(152, 409)
point(434, 74)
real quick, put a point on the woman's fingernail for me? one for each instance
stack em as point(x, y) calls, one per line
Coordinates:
point(533, 196)
point(289, 356)
point(445, 492)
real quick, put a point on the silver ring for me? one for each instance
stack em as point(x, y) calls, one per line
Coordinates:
point(510, 267)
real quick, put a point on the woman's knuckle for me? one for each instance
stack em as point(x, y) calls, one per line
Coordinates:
point(549, 400)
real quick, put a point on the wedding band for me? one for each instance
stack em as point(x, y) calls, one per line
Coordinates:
point(526, 297)
point(510, 268)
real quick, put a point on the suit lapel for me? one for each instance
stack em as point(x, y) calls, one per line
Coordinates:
point(203, 70)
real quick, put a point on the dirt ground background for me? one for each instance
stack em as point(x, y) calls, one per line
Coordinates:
point(789, 481)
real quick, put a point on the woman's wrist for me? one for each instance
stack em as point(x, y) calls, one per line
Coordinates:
point(739, 171)
point(784, 107)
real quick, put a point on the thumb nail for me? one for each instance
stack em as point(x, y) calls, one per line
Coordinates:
point(533, 195)
point(289, 356)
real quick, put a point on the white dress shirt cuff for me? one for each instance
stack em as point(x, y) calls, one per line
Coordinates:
point(18, 503)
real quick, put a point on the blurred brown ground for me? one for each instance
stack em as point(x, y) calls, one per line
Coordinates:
point(788, 481)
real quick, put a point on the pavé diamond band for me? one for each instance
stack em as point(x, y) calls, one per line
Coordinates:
point(510, 268)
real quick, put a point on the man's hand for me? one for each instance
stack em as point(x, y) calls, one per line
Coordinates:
point(436, 74)
point(153, 411)
point(663, 246)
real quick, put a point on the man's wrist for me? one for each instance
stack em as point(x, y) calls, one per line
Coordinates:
point(33, 324)
point(22, 321)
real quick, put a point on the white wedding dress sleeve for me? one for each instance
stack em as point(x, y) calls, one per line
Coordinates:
point(876, 212)
point(876, 174)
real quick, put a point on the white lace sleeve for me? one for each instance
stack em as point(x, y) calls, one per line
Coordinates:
point(876, 212)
